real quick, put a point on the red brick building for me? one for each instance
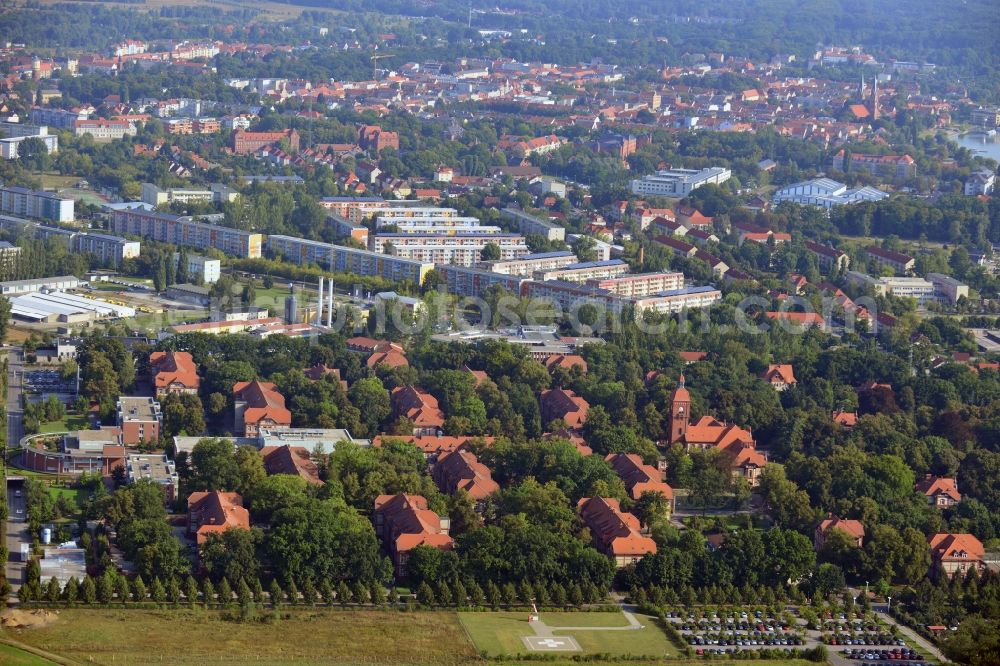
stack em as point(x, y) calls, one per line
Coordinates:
point(214, 512)
point(418, 406)
point(461, 470)
point(565, 405)
point(404, 522)
point(373, 137)
point(173, 372)
point(139, 420)
point(615, 532)
point(245, 143)
point(258, 405)
point(293, 460)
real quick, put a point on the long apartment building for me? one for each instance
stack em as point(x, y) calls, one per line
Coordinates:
point(107, 248)
point(167, 228)
point(639, 285)
point(35, 203)
point(530, 264)
point(461, 248)
point(892, 166)
point(345, 207)
point(529, 224)
point(12, 134)
point(677, 300)
point(475, 282)
point(568, 296)
point(342, 259)
point(437, 225)
point(584, 271)
point(936, 287)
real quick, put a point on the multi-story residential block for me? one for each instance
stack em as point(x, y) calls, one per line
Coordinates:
point(104, 130)
point(9, 254)
point(529, 224)
point(899, 262)
point(348, 260)
point(201, 269)
point(890, 166)
point(678, 182)
point(530, 264)
point(639, 285)
point(107, 248)
point(826, 193)
point(981, 183)
point(345, 206)
point(59, 118)
point(678, 300)
point(987, 117)
point(344, 228)
point(585, 271)
point(12, 134)
point(461, 248)
point(217, 192)
point(828, 257)
point(475, 282)
point(35, 203)
point(139, 420)
point(177, 230)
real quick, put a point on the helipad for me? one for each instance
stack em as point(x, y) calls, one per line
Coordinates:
point(551, 643)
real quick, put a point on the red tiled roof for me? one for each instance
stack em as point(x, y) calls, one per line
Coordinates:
point(781, 373)
point(638, 477)
point(461, 470)
point(564, 404)
point(956, 548)
point(853, 528)
point(418, 406)
point(210, 512)
point(937, 485)
point(566, 361)
point(263, 402)
point(292, 460)
point(170, 368)
point(615, 532)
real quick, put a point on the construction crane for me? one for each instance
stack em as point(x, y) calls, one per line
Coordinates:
point(375, 58)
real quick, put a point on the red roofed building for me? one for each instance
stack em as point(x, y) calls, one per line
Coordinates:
point(736, 443)
point(478, 376)
point(258, 405)
point(214, 512)
point(845, 419)
point(573, 437)
point(956, 553)
point(461, 470)
point(291, 460)
point(567, 361)
point(780, 377)
point(404, 522)
point(691, 217)
point(320, 371)
point(565, 405)
point(799, 319)
point(418, 406)
point(373, 137)
point(852, 528)
point(245, 143)
point(391, 357)
point(640, 478)
point(690, 357)
point(615, 532)
point(432, 446)
point(173, 372)
point(940, 491)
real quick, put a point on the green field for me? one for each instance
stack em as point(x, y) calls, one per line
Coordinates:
point(186, 637)
point(499, 634)
point(70, 422)
point(11, 656)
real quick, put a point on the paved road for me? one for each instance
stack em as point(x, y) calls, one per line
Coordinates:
point(15, 384)
point(17, 532)
point(911, 635)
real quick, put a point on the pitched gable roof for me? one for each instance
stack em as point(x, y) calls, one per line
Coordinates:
point(615, 532)
point(292, 460)
point(938, 485)
point(263, 401)
point(956, 547)
point(169, 368)
point(638, 477)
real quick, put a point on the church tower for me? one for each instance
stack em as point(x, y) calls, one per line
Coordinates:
point(680, 410)
point(876, 112)
point(861, 90)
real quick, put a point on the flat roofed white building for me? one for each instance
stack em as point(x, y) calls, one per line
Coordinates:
point(678, 182)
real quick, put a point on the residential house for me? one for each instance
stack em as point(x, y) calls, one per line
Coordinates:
point(461, 470)
point(639, 477)
point(780, 376)
point(404, 522)
point(215, 512)
point(956, 553)
point(851, 528)
point(564, 405)
point(420, 407)
point(565, 361)
point(941, 492)
point(258, 405)
point(845, 419)
point(615, 532)
point(173, 372)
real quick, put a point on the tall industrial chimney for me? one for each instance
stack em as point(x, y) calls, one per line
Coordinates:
point(329, 314)
point(319, 304)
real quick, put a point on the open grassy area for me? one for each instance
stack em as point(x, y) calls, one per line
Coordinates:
point(500, 634)
point(194, 637)
point(70, 422)
point(11, 656)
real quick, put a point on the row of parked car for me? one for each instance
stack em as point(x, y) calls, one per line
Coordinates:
point(862, 639)
point(900, 654)
point(733, 625)
point(731, 651)
point(750, 640)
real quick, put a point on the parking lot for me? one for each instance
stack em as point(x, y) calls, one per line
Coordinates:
point(736, 629)
point(48, 381)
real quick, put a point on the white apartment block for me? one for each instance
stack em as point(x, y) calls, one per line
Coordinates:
point(108, 249)
point(461, 249)
point(12, 134)
point(475, 282)
point(34, 203)
point(676, 300)
point(982, 182)
point(530, 264)
point(201, 269)
point(678, 182)
point(104, 130)
point(936, 287)
point(640, 285)
point(529, 224)
point(585, 271)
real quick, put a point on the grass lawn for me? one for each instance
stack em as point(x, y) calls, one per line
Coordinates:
point(74, 494)
point(70, 422)
point(169, 318)
point(183, 637)
point(499, 634)
point(11, 656)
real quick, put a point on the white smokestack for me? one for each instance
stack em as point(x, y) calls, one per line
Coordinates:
point(319, 305)
point(329, 314)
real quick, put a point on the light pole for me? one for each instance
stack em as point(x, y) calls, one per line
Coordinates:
point(866, 589)
point(888, 607)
